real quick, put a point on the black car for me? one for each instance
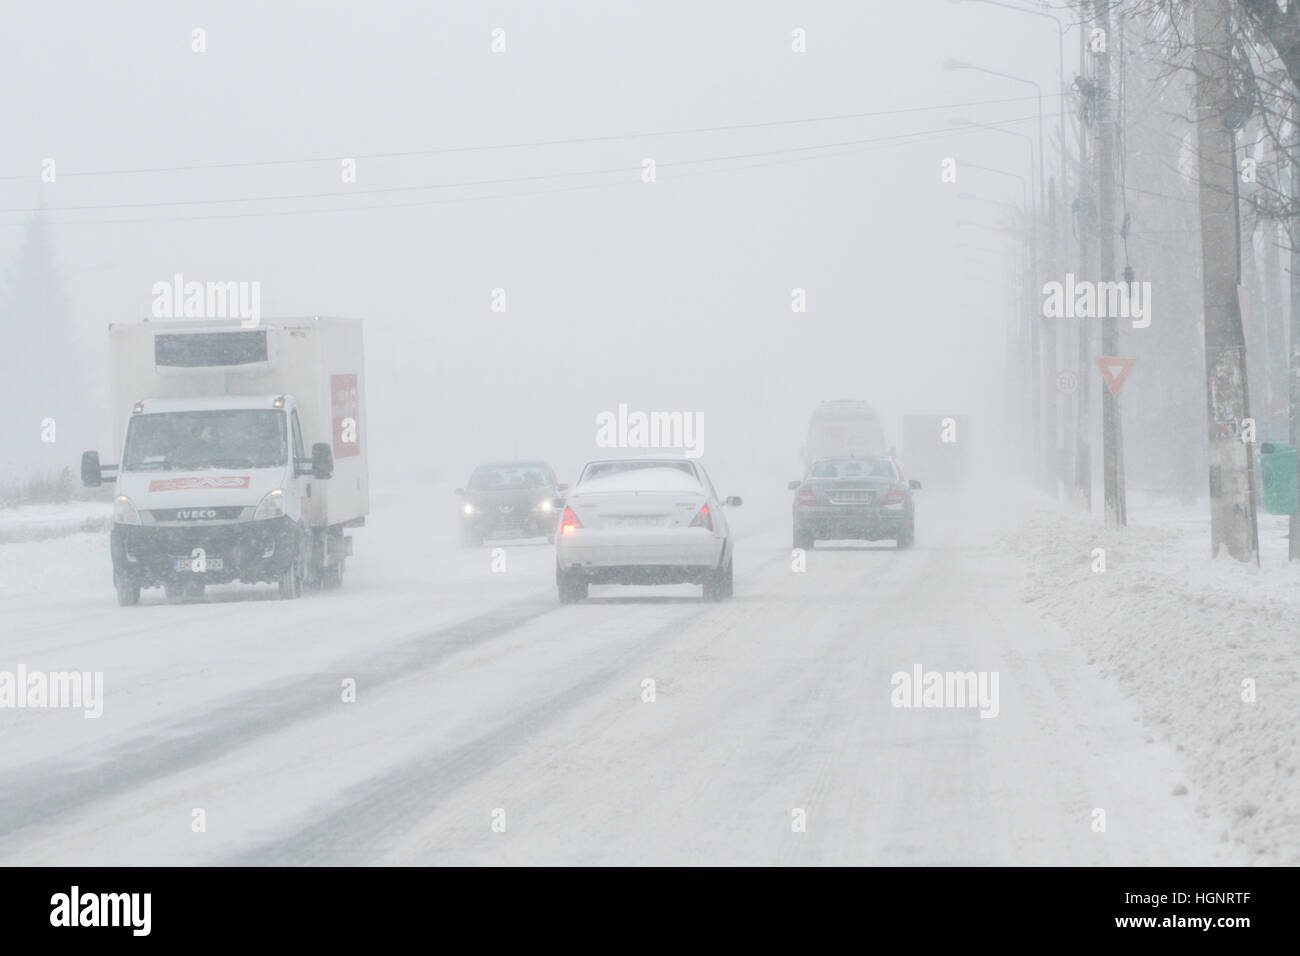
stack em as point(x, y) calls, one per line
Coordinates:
point(861, 498)
point(509, 499)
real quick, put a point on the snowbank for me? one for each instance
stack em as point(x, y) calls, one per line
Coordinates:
point(38, 522)
point(1184, 634)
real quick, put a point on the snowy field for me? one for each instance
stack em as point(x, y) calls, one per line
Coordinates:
point(771, 738)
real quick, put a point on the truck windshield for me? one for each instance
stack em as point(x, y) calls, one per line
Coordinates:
point(224, 438)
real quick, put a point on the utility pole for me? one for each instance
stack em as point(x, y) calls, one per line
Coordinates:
point(1051, 395)
point(1086, 209)
point(1232, 486)
point(1293, 379)
point(1112, 463)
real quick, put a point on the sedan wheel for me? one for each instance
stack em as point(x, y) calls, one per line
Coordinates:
point(572, 587)
point(908, 534)
point(718, 585)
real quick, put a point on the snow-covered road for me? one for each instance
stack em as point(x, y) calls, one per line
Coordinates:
point(493, 725)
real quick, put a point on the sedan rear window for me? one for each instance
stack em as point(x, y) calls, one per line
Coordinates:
point(603, 469)
point(853, 468)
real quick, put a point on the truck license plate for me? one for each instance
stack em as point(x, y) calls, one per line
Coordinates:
point(187, 564)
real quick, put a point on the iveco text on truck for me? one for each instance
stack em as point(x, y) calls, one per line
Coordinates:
point(242, 453)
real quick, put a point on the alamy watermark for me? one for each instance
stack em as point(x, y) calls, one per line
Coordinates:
point(84, 690)
point(129, 910)
point(179, 299)
point(1084, 299)
point(946, 689)
point(624, 429)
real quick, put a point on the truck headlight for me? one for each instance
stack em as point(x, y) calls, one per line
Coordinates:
point(271, 505)
point(546, 505)
point(124, 511)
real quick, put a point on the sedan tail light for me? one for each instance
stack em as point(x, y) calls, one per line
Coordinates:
point(702, 519)
point(895, 496)
point(569, 523)
point(807, 497)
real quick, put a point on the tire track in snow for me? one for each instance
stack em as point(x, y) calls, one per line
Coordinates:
point(373, 815)
point(42, 792)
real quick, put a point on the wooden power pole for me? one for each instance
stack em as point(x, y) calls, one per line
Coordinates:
point(1232, 494)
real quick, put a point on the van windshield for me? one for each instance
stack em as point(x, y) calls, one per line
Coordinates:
point(192, 440)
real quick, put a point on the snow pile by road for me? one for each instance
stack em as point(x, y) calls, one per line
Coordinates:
point(38, 522)
point(1188, 638)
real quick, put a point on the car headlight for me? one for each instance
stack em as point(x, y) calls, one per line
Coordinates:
point(468, 508)
point(271, 505)
point(124, 511)
point(547, 505)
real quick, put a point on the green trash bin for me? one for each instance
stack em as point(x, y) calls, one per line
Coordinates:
point(1281, 480)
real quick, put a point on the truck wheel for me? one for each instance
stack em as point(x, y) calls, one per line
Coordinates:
point(572, 586)
point(290, 583)
point(332, 576)
point(128, 595)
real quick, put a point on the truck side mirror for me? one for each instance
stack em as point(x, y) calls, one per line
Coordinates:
point(459, 491)
point(322, 461)
point(91, 476)
point(733, 501)
point(914, 485)
point(561, 487)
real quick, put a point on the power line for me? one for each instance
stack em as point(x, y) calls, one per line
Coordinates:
point(921, 137)
point(243, 164)
point(492, 182)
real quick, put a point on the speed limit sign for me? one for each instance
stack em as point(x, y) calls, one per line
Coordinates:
point(1066, 382)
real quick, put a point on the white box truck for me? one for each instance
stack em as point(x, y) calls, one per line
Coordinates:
point(242, 453)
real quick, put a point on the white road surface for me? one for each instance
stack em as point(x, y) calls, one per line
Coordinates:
point(494, 726)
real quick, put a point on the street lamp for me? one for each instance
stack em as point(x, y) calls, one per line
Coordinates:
point(1060, 62)
point(958, 121)
point(1024, 188)
point(1042, 179)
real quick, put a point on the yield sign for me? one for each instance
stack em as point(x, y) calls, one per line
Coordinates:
point(1115, 370)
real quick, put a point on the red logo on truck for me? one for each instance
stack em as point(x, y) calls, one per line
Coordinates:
point(181, 484)
point(345, 409)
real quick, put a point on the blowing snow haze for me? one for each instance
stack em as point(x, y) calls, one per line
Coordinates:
point(609, 362)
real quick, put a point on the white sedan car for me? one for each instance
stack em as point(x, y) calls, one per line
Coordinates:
point(644, 521)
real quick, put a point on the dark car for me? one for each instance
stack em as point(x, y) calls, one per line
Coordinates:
point(509, 499)
point(861, 498)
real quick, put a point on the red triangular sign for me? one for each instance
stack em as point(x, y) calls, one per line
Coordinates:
point(1115, 370)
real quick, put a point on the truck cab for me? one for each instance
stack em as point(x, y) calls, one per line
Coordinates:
point(212, 492)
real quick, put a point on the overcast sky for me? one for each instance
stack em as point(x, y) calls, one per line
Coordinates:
point(675, 295)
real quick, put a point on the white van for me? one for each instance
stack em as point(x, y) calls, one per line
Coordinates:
point(843, 428)
point(242, 453)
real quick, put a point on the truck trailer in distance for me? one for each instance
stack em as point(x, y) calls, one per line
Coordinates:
point(241, 453)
